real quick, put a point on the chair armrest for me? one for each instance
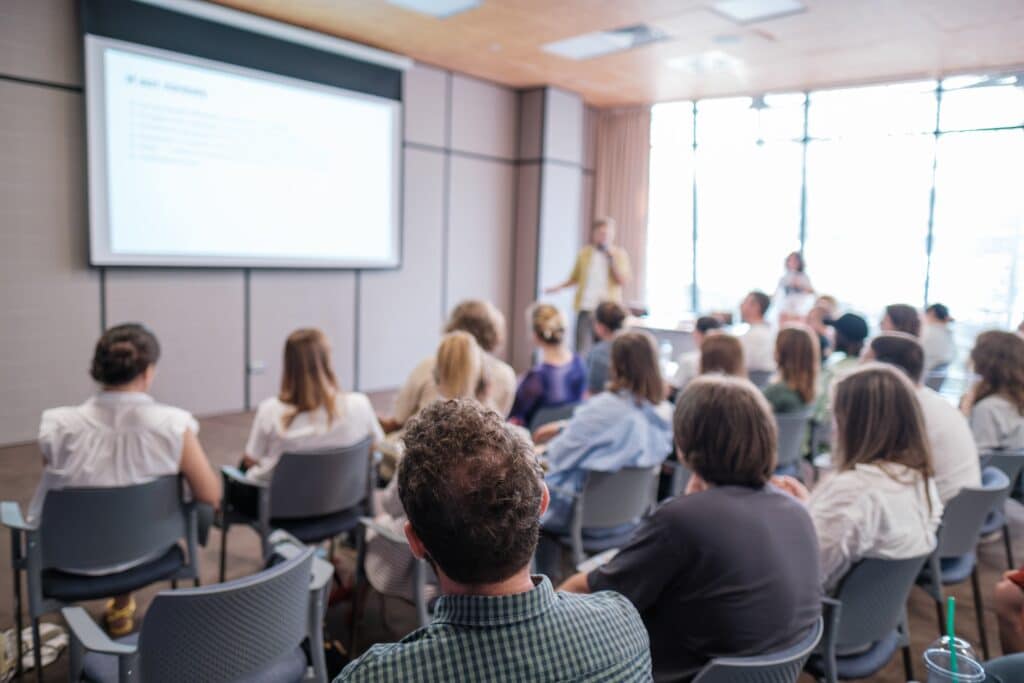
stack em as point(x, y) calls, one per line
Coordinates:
point(236, 476)
point(10, 517)
point(93, 639)
point(287, 546)
point(384, 531)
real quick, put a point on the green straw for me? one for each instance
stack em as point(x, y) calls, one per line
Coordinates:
point(950, 631)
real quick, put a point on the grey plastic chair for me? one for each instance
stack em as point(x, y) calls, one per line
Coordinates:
point(783, 666)
point(954, 559)
point(609, 500)
point(314, 496)
point(249, 629)
point(552, 414)
point(1011, 464)
point(95, 528)
point(792, 430)
point(867, 618)
point(760, 378)
point(936, 377)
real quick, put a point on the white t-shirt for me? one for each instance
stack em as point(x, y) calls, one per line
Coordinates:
point(876, 513)
point(939, 346)
point(269, 439)
point(689, 369)
point(759, 347)
point(116, 438)
point(997, 424)
point(595, 287)
point(954, 454)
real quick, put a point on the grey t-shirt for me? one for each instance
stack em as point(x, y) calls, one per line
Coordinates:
point(731, 571)
point(598, 361)
point(997, 424)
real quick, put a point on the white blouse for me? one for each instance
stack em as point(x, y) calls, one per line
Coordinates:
point(116, 438)
point(311, 430)
point(873, 512)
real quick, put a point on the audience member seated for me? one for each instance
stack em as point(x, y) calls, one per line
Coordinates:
point(487, 325)
point(954, 455)
point(730, 568)
point(121, 437)
point(937, 337)
point(689, 362)
point(1009, 596)
point(310, 412)
point(796, 354)
point(882, 501)
point(995, 404)
point(901, 318)
point(759, 340)
point(850, 332)
point(608, 319)
point(473, 494)
point(722, 354)
point(561, 376)
point(626, 426)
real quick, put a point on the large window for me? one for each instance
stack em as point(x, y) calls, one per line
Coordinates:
point(895, 193)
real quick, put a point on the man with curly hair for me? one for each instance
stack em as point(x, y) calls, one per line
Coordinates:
point(473, 494)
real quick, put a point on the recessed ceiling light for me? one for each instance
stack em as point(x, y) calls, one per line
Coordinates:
point(711, 61)
point(441, 9)
point(600, 43)
point(749, 11)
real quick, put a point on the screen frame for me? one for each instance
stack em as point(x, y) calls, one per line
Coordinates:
point(100, 253)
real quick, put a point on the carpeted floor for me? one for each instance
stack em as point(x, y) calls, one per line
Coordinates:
point(388, 619)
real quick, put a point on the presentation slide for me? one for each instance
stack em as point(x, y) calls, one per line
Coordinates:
point(200, 163)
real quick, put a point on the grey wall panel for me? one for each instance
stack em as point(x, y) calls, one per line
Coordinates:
point(401, 311)
point(563, 126)
point(426, 105)
point(283, 301)
point(198, 315)
point(39, 39)
point(484, 118)
point(49, 298)
point(531, 115)
point(524, 277)
point(559, 235)
point(480, 231)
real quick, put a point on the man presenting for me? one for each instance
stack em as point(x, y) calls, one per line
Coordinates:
point(600, 272)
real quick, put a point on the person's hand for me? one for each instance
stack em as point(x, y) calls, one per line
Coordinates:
point(553, 290)
point(792, 487)
point(601, 247)
point(695, 485)
point(548, 431)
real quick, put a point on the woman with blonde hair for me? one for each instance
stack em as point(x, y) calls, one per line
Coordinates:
point(722, 354)
point(882, 502)
point(796, 356)
point(561, 376)
point(310, 411)
point(995, 405)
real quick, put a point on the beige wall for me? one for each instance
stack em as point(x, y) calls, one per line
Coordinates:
point(459, 190)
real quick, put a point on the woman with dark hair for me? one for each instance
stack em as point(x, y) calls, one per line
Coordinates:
point(794, 295)
point(310, 411)
point(995, 405)
point(121, 437)
point(796, 355)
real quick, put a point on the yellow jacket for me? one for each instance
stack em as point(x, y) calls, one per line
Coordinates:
point(581, 270)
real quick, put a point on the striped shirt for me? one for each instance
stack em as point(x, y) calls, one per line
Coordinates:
point(539, 635)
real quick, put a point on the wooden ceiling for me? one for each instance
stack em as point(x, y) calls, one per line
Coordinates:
point(834, 42)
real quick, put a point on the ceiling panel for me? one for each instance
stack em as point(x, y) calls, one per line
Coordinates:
point(832, 43)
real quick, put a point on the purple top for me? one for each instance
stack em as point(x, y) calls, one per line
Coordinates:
point(547, 386)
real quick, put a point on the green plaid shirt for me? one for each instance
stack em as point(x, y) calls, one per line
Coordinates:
point(536, 636)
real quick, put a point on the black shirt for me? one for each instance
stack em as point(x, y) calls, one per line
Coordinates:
point(731, 571)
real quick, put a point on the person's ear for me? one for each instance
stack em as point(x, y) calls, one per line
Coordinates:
point(419, 551)
point(545, 498)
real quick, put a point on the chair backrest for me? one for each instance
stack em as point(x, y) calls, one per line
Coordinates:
point(227, 631)
point(783, 666)
point(760, 378)
point(792, 429)
point(874, 594)
point(965, 513)
point(552, 414)
point(936, 377)
point(93, 528)
point(316, 483)
point(610, 499)
point(1010, 462)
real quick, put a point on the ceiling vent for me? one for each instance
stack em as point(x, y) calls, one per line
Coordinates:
point(750, 11)
point(601, 43)
point(442, 9)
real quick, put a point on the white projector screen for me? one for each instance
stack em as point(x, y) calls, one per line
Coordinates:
point(199, 163)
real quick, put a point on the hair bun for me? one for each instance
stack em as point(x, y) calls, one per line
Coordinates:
point(123, 353)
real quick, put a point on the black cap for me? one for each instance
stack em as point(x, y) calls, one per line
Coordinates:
point(851, 326)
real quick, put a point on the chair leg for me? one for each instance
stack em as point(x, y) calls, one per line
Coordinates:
point(196, 582)
point(36, 644)
point(223, 549)
point(908, 663)
point(940, 617)
point(979, 610)
point(174, 584)
point(1008, 543)
point(330, 552)
point(17, 620)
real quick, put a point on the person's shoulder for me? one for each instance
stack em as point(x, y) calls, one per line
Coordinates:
point(169, 415)
point(372, 665)
point(499, 367)
point(610, 611)
point(354, 400)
